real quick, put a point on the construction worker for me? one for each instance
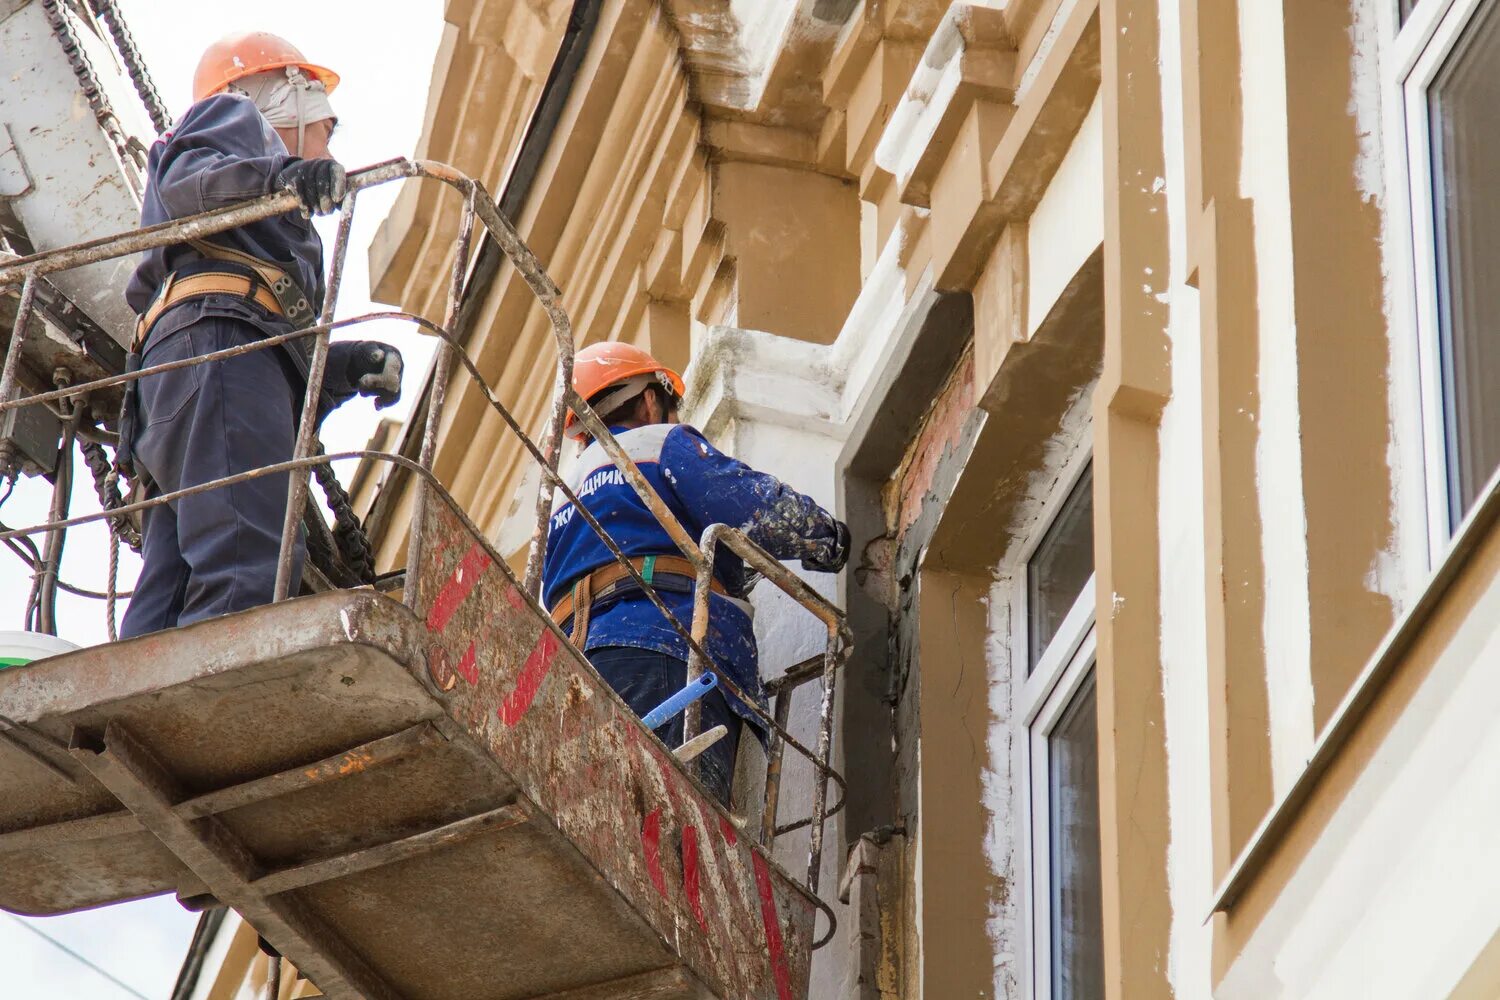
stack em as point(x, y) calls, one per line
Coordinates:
point(626, 638)
point(260, 123)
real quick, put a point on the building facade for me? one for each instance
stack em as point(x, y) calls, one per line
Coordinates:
point(1147, 347)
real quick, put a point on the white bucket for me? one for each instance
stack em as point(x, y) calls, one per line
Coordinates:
point(19, 648)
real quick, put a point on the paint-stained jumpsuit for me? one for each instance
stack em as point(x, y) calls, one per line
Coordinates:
point(216, 552)
point(629, 642)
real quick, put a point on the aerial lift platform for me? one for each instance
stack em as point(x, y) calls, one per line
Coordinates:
point(417, 790)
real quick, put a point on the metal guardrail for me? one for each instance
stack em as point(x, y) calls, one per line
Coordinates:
point(477, 205)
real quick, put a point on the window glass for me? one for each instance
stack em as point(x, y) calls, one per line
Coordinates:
point(1073, 795)
point(1465, 162)
point(1060, 567)
point(1407, 6)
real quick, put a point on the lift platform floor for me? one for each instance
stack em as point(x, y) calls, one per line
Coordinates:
point(433, 804)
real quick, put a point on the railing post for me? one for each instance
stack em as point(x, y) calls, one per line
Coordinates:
point(552, 450)
point(296, 491)
point(17, 335)
point(692, 719)
point(775, 755)
point(442, 366)
point(831, 657)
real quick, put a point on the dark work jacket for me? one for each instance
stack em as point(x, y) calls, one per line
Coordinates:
point(222, 152)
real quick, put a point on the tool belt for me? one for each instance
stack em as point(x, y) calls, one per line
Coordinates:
point(222, 271)
point(612, 581)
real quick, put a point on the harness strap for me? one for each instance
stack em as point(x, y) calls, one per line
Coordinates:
point(180, 288)
point(608, 579)
point(295, 305)
point(583, 603)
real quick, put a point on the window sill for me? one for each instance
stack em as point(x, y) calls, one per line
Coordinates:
point(1382, 667)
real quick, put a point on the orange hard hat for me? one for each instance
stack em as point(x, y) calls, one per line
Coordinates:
point(234, 57)
point(599, 366)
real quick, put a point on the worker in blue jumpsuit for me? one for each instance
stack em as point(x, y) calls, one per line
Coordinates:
point(260, 124)
point(628, 641)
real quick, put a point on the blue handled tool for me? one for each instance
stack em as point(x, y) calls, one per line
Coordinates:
point(679, 701)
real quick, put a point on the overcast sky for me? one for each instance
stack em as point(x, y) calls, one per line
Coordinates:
point(384, 51)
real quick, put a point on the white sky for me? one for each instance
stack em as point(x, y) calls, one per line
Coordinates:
point(384, 52)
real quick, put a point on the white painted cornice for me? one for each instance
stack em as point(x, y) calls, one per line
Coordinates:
point(739, 374)
point(969, 56)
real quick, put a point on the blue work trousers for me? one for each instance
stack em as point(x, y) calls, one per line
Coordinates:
point(214, 552)
point(645, 678)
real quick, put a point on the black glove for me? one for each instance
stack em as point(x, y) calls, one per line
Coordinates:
point(374, 369)
point(833, 553)
point(319, 183)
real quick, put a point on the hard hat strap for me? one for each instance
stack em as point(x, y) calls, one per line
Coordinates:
point(286, 98)
point(301, 118)
point(622, 394)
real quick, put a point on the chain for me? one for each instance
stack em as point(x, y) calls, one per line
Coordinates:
point(354, 544)
point(83, 70)
point(107, 486)
point(134, 65)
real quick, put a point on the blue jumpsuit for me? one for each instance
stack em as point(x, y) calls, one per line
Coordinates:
point(629, 642)
point(216, 552)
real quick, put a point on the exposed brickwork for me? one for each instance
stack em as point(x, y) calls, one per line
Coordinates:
point(942, 428)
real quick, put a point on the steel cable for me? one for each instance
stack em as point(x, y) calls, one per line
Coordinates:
point(80, 959)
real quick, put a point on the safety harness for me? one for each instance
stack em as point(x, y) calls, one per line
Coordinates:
point(285, 298)
point(612, 582)
point(221, 271)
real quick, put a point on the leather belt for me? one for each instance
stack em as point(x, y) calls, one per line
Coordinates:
point(179, 289)
point(612, 577)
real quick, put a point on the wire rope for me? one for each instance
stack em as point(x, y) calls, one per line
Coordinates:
point(79, 958)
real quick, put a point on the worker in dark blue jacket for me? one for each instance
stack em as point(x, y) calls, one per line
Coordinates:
point(260, 123)
point(627, 639)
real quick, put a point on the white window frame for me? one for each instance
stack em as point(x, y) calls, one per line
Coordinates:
point(1069, 662)
point(1421, 46)
point(1040, 698)
point(1077, 462)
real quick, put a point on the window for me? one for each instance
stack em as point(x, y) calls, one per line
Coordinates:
point(1446, 59)
point(1077, 937)
point(1060, 567)
point(1055, 629)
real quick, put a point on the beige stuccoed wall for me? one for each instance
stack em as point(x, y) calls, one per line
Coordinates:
point(794, 238)
point(1154, 214)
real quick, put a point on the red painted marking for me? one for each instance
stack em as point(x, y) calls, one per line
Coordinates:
point(690, 877)
point(774, 948)
point(651, 845)
point(458, 587)
point(535, 670)
point(513, 597)
point(726, 830)
point(671, 778)
point(466, 668)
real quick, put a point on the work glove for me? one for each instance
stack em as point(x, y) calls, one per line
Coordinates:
point(366, 367)
point(319, 183)
point(832, 554)
point(375, 371)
